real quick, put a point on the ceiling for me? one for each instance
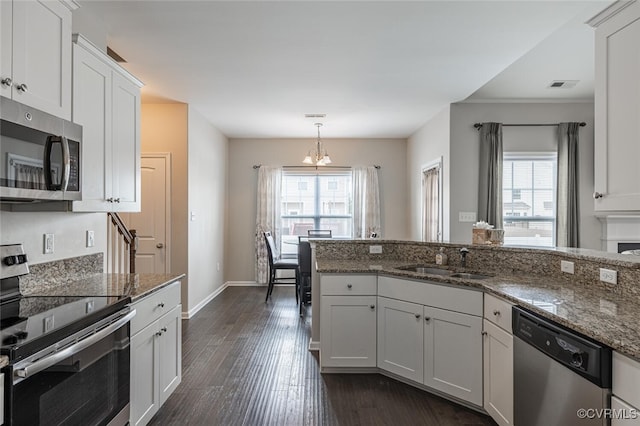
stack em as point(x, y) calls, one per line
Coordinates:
point(376, 68)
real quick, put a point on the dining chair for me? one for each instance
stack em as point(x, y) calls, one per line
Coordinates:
point(304, 267)
point(319, 233)
point(276, 264)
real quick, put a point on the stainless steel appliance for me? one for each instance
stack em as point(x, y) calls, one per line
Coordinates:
point(69, 356)
point(560, 377)
point(40, 155)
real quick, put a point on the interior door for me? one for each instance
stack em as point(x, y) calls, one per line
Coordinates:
point(152, 224)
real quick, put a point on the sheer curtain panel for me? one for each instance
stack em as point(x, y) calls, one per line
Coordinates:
point(490, 178)
point(366, 202)
point(267, 217)
point(568, 214)
point(431, 204)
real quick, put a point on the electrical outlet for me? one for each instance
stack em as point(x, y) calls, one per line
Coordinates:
point(609, 276)
point(48, 244)
point(48, 323)
point(467, 217)
point(91, 239)
point(375, 249)
point(89, 306)
point(218, 266)
point(566, 266)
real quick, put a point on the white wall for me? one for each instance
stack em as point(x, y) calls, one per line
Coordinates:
point(207, 202)
point(390, 154)
point(465, 152)
point(69, 231)
point(428, 144)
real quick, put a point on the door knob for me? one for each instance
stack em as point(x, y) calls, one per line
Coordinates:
point(7, 82)
point(159, 245)
point(598, 195)
point(22, 87)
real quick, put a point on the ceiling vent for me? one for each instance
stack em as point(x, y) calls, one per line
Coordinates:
point(563, 84)
point(113, 55)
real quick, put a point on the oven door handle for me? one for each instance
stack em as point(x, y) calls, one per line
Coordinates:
point(56, 357)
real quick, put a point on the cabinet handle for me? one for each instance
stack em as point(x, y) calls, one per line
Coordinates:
point(7, 82)
point(159, 333)
point(484, 333)
point(117, 200)
point(496, 312)
point(372, 307)
point(349, 286)
point(427, 319)
point(22, 87)
point(163, 329)
point(109, 200)
point(159, 245)
point(418, 316)
point(597, 195)
point(161, 305)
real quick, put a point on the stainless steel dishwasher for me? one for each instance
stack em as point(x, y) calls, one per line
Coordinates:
point(560, 376)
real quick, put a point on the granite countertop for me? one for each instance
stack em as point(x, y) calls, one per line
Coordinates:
point(134, 285)
point(601, 315)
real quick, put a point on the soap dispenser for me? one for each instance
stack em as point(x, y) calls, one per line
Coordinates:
point(441, 257)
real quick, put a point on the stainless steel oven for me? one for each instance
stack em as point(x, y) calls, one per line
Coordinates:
point(40, 155)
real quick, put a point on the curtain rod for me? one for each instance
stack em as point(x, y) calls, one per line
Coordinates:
point(257, 166)
point(479, 125)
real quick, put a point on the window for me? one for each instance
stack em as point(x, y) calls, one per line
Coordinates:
point(315, 201)
point(529, 199)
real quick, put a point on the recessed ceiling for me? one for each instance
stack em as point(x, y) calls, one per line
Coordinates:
point(376, 68)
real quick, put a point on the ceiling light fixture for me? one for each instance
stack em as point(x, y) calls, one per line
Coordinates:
point(319, 157)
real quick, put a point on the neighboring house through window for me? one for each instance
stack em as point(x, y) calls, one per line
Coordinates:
point(529, 199)
point(317, 200)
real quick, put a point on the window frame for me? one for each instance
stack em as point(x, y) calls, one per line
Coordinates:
point(530, 157)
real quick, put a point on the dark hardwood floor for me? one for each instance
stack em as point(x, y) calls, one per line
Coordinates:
point(245, 362)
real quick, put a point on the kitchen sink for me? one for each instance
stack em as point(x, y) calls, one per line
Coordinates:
point(469, 276)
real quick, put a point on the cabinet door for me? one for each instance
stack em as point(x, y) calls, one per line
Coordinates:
point(170, 346)
point(498, 374)
point(400, 338)
point(453, 353)
point(145, 397)
point(6, 42)
point(124, 155)
point(348, 331)
point(617, 112)
point(42, 56)
point(92, 110)
point(624, 414)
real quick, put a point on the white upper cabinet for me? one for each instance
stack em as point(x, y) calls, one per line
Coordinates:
point(106, 102)
point(36, 54)
point(617, 108)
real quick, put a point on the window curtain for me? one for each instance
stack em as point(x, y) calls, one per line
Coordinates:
point(567, 228)
point(490, 178)
point(430, 204)
point(267, 217)
point(366, 202)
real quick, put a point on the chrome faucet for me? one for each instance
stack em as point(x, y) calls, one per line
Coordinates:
point(463, 256)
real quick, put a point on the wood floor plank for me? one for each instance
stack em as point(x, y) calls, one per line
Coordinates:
point(246, 362)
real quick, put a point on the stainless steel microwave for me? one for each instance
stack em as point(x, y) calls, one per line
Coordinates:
point(40, 155)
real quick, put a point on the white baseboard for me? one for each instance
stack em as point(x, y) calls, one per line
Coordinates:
point(314, 346)
point(244, 284)
point(209, 298)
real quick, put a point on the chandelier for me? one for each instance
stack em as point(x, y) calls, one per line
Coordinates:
point(319, 157)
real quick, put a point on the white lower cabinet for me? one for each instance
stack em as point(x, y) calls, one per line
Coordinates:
point(400, 338)
point(453, 353)
point(625, 402)
point(348, 331)
point(156, 352)
point(348, 320)
point(498, 374)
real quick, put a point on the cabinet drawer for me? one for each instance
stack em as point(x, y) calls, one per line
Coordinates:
point(436, 295)
point(623, 414)
point(626, 379)
point(349, 284)
point(154, 306)
point(498, 311)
